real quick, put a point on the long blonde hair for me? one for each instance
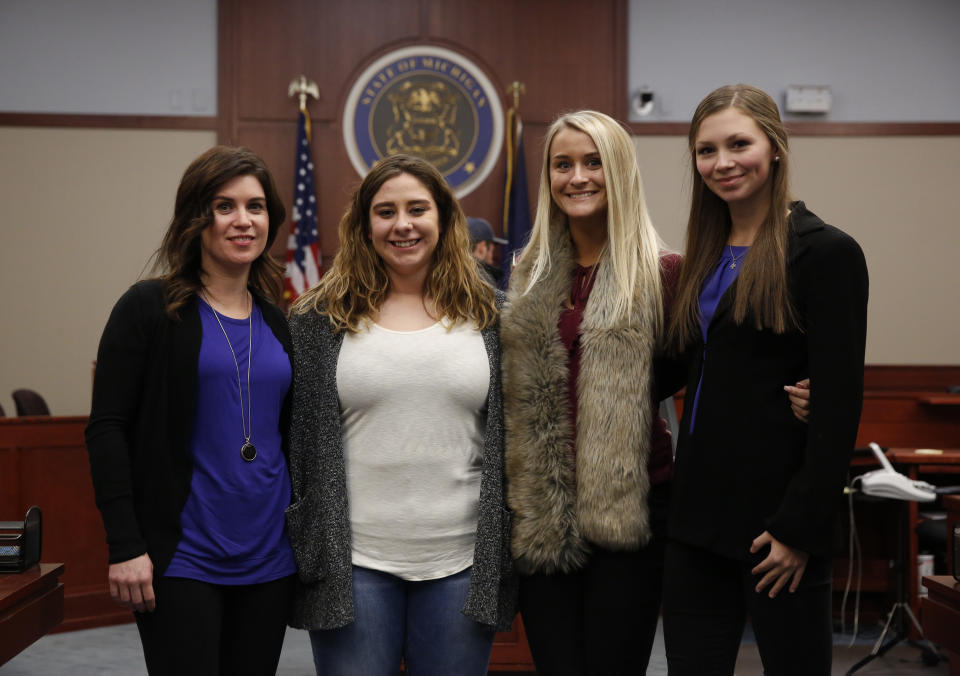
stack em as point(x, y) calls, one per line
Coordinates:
point(633, 245)
point(761, 288)
point(357, 283)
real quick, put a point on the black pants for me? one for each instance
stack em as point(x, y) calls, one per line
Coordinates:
point(600, 620)
point(209, 629)
point(707, 598)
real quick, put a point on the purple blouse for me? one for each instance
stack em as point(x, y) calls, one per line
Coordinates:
point(233, 522)
point(723, 275)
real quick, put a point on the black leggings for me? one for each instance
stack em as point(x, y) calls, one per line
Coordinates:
point(209, 629)
point(707, 598)
point(600, 620)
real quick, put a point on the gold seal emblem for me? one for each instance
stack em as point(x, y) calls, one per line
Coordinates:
point(430, 102)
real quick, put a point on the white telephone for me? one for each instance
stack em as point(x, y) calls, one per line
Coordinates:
point(889, 483)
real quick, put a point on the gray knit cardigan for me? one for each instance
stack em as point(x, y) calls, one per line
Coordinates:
point(318, 518)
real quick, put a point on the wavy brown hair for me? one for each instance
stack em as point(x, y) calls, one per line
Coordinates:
point(179, 252)
point(357, 283)
point(761, 289)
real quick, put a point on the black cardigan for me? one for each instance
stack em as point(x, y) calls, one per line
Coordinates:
point(144, 403)
point(750, 465)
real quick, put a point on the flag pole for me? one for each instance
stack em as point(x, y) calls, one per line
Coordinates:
point(515, 89)
point(303, 88)
point(516, 223)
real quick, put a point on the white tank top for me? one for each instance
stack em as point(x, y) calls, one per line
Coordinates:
point(413, 413)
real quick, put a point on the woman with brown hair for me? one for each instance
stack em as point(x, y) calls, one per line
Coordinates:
point(768, 294)
point(398, 521)
point(187, 431)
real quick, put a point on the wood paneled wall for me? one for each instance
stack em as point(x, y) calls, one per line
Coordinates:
point(562, 50)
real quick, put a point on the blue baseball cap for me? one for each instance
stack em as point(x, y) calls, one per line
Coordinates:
point(480, 231)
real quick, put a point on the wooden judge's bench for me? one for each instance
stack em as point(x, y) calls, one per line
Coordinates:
point(43, 462)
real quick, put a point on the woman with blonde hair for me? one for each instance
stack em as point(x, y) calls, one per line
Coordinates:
point(398, 521)
point(768, 293)
point(588, 458)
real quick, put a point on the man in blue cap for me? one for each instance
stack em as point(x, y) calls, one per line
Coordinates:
point(483, 243)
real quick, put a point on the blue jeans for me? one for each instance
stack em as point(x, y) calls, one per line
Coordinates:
point(419, 622)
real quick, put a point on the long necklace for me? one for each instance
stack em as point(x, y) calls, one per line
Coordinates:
point(248, 451)
point(733, 263)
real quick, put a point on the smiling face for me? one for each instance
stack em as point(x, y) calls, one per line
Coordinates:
point(577, 183)
point(404, 227)
point(734, 157)
point(238, 234)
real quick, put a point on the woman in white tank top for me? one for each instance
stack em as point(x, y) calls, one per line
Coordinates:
point(398, 520)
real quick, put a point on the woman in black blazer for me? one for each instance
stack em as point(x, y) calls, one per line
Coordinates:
point(187, 432)
point(768, 294)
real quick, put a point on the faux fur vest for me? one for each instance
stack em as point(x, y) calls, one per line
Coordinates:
point(560, 509)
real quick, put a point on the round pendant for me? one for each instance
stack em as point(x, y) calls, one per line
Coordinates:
point(248, 452)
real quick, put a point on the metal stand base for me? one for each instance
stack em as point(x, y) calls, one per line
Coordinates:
point(930, 656)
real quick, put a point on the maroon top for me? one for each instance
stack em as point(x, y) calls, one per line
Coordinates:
point(660, 463)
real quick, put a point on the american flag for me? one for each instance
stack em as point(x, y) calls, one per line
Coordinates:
point(303, 250)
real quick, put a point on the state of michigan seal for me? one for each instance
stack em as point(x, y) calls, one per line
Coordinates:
point(426, 101)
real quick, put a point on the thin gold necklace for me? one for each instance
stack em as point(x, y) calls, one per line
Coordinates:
point(733, 263)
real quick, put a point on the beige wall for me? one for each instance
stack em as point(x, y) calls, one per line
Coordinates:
point(894, 195)
point(83, 210)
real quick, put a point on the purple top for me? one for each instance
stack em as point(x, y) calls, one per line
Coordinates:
point(233, 522)
point(727, 270)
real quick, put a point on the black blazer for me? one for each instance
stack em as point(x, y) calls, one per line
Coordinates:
point(144, 404)
point(749, 465)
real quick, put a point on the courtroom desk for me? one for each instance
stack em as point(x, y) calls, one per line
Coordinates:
point(44, 462)
point(31, 604)
point(928, 467)
point(941, 616)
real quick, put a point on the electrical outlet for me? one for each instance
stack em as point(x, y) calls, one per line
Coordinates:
point(200, 100)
